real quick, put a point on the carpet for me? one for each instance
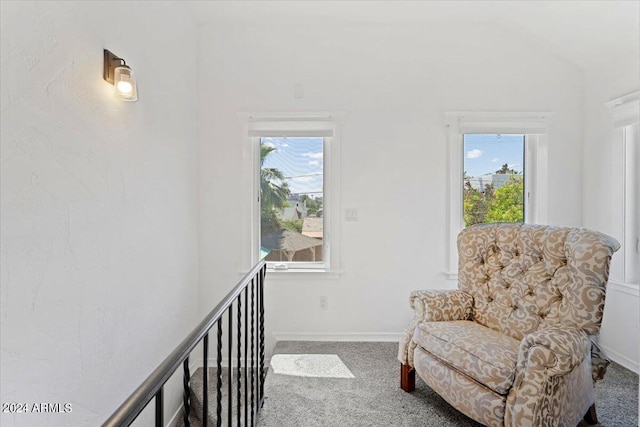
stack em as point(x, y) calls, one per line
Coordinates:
point(357, 384)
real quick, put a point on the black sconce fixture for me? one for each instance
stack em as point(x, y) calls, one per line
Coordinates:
point(121, 76)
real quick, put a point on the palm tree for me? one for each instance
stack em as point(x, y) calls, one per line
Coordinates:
point(273, 193)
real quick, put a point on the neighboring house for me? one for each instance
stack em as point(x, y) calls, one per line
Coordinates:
point(286, 245)
point(296, 210)
point(497, 180)
point(312, 227)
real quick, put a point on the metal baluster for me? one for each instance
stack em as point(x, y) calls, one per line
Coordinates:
point(219, 374)
point(205, 380)
point(253, 341)
point(229, 370)
point(262, 372)
point(186, 392)
point(258, 402)
point(159, 408)
point(246, 362)
point(239, 360)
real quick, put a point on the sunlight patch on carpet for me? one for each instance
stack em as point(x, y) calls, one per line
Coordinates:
point(310, 365)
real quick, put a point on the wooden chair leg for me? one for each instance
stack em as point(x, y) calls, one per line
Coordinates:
point(407, 378)
point(591, 417)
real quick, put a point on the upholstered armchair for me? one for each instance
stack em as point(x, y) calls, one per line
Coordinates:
point(512, 345)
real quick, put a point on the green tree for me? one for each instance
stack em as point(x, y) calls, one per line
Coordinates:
point(292, 225)
point(476, 204)
point(505, 170)
point(312, 205)
point(507, 205)
point(273, 193)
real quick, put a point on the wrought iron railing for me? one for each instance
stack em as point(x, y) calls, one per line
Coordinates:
point(249, 375)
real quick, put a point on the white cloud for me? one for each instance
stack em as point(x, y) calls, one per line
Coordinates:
point(284, 145)
point(474, 154)
point(314, 162)
point(300, 179)
point(495, 160)
point(269, 144)
point(307, 184)
point(313, 155)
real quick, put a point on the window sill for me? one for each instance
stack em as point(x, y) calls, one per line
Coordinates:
point(296, 274)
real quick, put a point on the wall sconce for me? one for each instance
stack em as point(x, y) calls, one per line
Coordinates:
point(120, 75)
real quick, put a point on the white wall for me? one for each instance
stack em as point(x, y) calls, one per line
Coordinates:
point(621, 324)
point(99, 204)
point(396, 82)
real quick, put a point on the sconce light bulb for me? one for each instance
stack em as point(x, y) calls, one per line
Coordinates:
point(124, 87)
point(125, 84)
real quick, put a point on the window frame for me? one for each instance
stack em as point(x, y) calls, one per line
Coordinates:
point(526, 154)
point(297, 124)
point(624, 113)
point(534, 125)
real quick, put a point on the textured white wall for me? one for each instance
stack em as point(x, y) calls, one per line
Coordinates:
point(396, 82)
point(620, 332)
point(99, 203)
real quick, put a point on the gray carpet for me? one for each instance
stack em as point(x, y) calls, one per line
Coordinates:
point(373, 397)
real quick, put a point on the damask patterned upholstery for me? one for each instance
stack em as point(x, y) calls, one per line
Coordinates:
point(511, 346)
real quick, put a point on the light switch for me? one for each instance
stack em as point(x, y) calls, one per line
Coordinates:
point(351, 214)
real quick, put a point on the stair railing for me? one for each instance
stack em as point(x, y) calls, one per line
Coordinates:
point(252, 286)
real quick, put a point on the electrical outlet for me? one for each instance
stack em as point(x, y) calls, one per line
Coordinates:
point(324, 303)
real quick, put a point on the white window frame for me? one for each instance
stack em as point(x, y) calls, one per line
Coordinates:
point(535, 127)
point(296, 124)
point(625, 112)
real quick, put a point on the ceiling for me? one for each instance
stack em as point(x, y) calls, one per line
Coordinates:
point(586, 33)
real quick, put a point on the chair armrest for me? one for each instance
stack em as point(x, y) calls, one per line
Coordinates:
point(433, 306)
point(438, 306)
point(553, 384)
point(557, 349)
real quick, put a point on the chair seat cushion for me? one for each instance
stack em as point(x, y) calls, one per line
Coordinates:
point(487, 356)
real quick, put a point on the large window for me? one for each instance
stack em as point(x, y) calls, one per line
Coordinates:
point(625, 191)
point(294, 186)
point(493, 181)
point(291, 199)
point(488, 180)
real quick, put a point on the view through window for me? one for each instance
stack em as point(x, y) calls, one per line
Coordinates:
point(291, 199)
point(493, 178)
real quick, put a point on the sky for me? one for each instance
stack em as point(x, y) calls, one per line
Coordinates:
point(300, 160)
point(486, 153)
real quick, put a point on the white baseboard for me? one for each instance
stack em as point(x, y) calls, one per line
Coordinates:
point(340, 336)
point(173, 422)
point(625, 288)
point(621, 359)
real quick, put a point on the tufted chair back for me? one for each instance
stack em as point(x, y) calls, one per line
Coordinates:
point(526, 277)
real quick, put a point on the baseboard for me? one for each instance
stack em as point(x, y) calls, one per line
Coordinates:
point(621, 359)
point(173, 422)
point(340, 336)
point(626, 288)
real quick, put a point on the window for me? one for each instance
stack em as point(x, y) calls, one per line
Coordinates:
point(625, 267)
point(493, 182)
point(295, 179)
point(474, 140)
point(291, 196)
